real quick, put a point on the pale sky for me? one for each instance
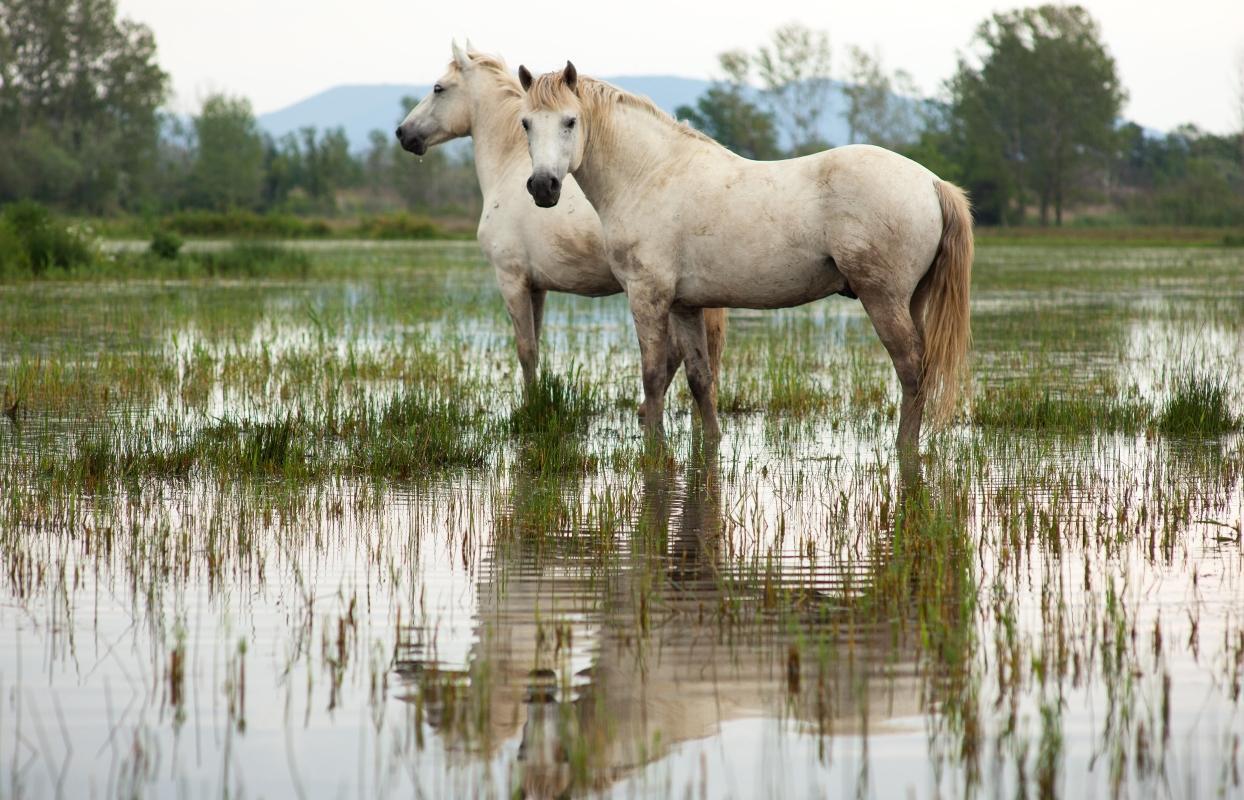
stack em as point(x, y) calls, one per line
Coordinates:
point(1178, 60)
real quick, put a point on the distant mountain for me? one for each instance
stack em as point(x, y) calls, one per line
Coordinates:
point(361, 109)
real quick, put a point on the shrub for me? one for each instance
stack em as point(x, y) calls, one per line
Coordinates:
point(166, 245)
point(33, 241)
point(253, 259)
point(399, 226)
point(243, 224)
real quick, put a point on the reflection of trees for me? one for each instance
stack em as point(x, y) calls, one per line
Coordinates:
point(600, 653)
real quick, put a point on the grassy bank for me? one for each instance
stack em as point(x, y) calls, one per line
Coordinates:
point(1112, 236)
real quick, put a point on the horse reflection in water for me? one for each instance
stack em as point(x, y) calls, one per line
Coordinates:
point(603, 651)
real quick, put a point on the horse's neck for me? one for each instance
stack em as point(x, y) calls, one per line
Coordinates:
point(632, 148)
point(495, 124)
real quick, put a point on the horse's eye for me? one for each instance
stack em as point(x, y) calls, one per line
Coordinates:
point(570, 122)
point(437, 89)
point(526, 125)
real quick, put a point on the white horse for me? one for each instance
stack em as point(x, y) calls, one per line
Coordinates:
point(533, 251)
point(690, 225)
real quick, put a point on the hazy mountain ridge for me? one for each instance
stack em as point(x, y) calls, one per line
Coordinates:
point(362, 108)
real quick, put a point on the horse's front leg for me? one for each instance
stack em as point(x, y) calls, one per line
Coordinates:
point(650, 308)
point(691, 339)
point(519, 302)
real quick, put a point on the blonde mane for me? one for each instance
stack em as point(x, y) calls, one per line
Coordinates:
point(495, 65)
point(597, 99)
point(511, 136)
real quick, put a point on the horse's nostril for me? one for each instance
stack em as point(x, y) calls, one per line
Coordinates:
point(531, 186)
point(555, 184)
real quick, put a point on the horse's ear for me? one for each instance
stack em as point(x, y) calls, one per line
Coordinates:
point(571, 76)
point(524, 78)
point(460, 57)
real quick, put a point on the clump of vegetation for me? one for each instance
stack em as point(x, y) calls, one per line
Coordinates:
point(33, 241)
point(253, 259)
point(232, 224)
point(1198, 404)
point(787, 387)
point(1028, 406)
point(553, 418)
point(398, 226)
point(166, 245)
point(415, 431)
point(556, 405)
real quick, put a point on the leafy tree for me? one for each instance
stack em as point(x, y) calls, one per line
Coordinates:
point(1044, 97)
point(327, 164)
point(725, 112)
point(795, 70)
point(229, 159)
point(1188, 177)
point(79, 93)
point(882, 108)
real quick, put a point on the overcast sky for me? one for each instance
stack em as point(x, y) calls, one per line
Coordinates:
point(1178, 60)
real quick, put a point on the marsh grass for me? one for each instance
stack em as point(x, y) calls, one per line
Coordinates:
point(1197, 404)
point(551, 421)
point(1031, 407)
point(414, 433)
point(251, 260)
point(416, 430)
point(785, 385)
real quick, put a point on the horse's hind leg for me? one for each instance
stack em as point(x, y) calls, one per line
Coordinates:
point(715, 327)
point(692, 339)
point(898, 332)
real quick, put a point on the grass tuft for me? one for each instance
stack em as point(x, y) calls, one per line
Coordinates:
point(1027, 406)
point(553, 418)
point(1197, 404)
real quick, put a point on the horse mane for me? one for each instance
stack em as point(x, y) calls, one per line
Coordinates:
point(495, 65)
point(511, 136)
point(549, 93)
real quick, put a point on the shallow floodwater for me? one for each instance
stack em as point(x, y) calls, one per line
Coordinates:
point(1043, 611)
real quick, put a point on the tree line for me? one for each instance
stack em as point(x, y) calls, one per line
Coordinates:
point(1030, 123)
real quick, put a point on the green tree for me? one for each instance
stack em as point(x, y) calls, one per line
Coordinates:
point(725, 112)
point(327, 165)
point(229, 157)
point(795, 70)
point(79, 93)
point(1038, 108)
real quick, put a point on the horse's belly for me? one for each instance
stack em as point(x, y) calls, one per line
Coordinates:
point(761, 285)
point(587, 282)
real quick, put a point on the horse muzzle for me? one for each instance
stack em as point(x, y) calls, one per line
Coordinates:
point(546, 190)
point(412, 142)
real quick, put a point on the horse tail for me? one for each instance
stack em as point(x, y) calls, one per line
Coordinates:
point(715, 327)
point(947, 319)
